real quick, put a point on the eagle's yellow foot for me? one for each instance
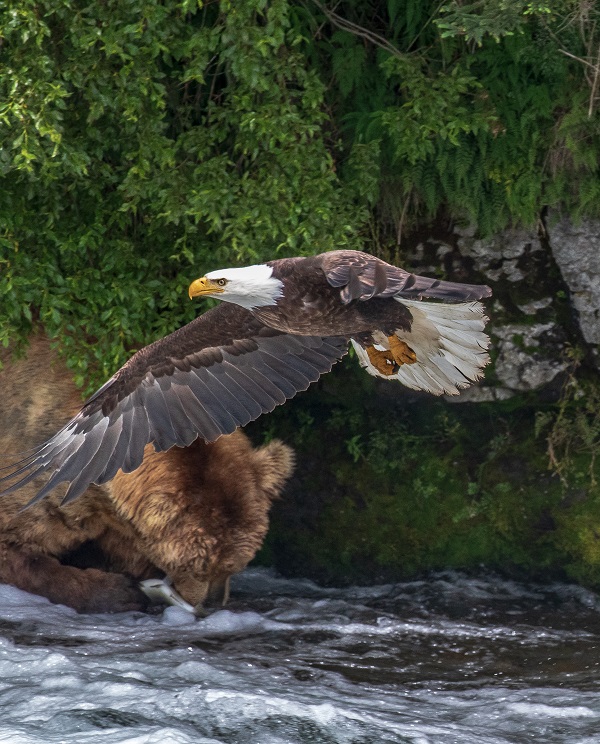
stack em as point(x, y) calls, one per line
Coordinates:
point(401, 351)
point(382, 360)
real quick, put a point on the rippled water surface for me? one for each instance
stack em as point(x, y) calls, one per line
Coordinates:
point(449, 659)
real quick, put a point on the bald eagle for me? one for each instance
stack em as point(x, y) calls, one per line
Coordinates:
point(282, 325)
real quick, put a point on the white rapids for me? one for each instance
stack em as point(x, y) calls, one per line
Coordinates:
point(446, 660)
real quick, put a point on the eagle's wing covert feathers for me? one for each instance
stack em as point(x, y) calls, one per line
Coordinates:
point(362, 276)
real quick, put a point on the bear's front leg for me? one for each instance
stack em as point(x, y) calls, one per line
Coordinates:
point(85, 590)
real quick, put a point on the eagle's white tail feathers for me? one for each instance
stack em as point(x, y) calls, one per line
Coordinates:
point(449, 343)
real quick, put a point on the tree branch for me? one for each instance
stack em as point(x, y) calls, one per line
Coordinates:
point(357, 30)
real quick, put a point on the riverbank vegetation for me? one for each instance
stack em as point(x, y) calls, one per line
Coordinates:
point(406, 483)
point(145, 142)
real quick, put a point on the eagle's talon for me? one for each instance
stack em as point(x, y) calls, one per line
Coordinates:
point(401, 351)
point(389, 362)
point(383, 361)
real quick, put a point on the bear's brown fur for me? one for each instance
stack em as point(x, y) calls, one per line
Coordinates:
point(197, 514)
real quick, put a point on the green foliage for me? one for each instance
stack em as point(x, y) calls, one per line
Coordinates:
point(572, 432)
point(483, 18)
point(435, 107)
point(404, 487)
point(143, 143)
point(484, 110)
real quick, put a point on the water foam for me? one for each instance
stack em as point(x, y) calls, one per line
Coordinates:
point(451, 659)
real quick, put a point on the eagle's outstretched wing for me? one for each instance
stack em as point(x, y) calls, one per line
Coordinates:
point(221, 371)
point(362, 277)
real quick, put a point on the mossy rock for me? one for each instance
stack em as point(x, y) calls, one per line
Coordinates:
point(390, 485)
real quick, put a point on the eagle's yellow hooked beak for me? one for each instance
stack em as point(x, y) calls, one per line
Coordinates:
point(203, 286)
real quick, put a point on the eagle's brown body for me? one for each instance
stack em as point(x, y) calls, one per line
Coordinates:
point(296, 315)
point(311, 298)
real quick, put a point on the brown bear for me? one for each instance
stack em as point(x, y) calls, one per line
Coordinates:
point(197, 514)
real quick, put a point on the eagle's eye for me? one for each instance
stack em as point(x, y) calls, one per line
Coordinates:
point(221, 282)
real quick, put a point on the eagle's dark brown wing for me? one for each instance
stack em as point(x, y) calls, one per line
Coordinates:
point(362, 277)
point(221, 371)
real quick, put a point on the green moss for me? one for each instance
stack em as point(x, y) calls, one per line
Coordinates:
point(405, 484)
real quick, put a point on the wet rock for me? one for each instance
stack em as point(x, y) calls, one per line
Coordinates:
point(540, 281)
point(481, 393)
point(500, 256)
point(576, 249)
point(533, 307)
point(530, 356)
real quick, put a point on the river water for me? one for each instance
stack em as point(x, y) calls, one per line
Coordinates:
point(446, 660)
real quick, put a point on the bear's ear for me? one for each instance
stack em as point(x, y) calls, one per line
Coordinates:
point(275, 464)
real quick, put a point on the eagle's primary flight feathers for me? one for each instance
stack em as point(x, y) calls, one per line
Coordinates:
point(282, 326)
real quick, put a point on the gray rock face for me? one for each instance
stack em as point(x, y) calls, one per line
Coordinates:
point(529, 355)
point(529, 311)
point(498, 257)
point(576, 249)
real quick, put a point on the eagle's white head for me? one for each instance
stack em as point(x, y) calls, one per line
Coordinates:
point(250, 287)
